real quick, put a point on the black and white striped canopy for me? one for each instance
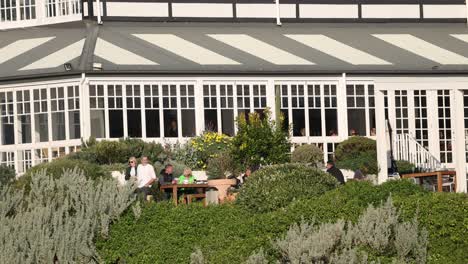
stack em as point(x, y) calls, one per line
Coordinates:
point(234, 48)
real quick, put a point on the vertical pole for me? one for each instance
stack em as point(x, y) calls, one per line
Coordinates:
point(460, 152)
point(278, 14)
point(99, 20)
point(382, 149)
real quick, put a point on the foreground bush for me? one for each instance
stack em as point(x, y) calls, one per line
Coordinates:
point(59, 219)
point(229, 233)
point(7, 175)
point(57, 167)
point(357, 153)
point(308, 154)
point(260, 141)
point(276, 186)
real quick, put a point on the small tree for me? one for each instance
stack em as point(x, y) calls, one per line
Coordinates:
point(260, 141)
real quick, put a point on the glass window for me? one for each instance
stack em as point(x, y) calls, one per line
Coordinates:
point(133, 110)
point(6, 118)
point(57, 100)
point(97, 115)
point(187, 103)
point(445, 126)
point(23, 109)
point(152, 110)
point(74, 127)
point(361, 109)
point(169, 93)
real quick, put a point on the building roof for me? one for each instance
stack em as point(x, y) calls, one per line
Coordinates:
point(233, 48)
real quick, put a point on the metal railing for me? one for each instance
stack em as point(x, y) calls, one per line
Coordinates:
point(407, 148)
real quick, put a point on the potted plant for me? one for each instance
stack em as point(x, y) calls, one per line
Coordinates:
point(221, 171)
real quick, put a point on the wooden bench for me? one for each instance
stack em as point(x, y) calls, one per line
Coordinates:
point(438, 174)
point(188, 197)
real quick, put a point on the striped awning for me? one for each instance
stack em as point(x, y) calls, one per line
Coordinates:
point(234, 48)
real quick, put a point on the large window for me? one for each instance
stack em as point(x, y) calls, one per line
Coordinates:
point(6, 118)
point(171, 126)
point(115, 108)
point(8, 10)
point(152, 112)
point(133, 100)
point(7, 159)
point(420, 118)
point(73, 94)
point(57, 105)
point(97, 114)
point(361, 109)
point(23, 109)
point(41, 118)
point(187, 105)
point(401, 112)
point(311, 108)
point(24, 160)
point(445, 126)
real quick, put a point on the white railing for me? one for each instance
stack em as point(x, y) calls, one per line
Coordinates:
point(407, 148)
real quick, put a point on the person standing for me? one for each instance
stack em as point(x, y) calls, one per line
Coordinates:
point(335, 172)
point(131, 171)
point(145, 176)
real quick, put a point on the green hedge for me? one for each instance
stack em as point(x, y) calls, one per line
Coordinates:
point(276, 186)
point(58, 166)
point(229, 234)
point(308, 154)
point(7, 175)
point(357, 153)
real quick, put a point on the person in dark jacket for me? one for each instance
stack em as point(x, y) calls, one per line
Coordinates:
point(165, 178)
point(131, 170)
point(335, 172)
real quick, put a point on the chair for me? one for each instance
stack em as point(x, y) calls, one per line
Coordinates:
point(447, 181)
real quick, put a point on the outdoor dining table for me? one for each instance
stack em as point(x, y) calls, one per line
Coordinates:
point(175, 188)
point(438, 174)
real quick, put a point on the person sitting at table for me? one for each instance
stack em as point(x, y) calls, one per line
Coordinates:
point(165, 178)
point(145, 177)
point(131, 171)
point(187, 177)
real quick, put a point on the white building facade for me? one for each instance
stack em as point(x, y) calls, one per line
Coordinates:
point(403, 83)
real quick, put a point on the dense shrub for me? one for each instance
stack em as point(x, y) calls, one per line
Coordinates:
point(260, 141)
point(59, 219)
point(276, 186)
point(222, 165)
point(7, 175)
point(308, 154)
point(198, 150)
point(357, 153)
point(178, 167)
point(405, 167)
point(229, 234)
point(57, 167)
point(378, 235)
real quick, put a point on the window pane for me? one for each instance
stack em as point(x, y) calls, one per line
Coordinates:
point(315, 122)
point(41, 127)
point(58, 126)
point(152, 123)
point(116, 129)
point(188, 123)
point(24, 129)
point(170, 123)
point(331, 122)
point(298, 122)
point(98, 124)
point(357, 122)
point(227, 120)
point(74, 124)
point(134, 123)
point(211, 120)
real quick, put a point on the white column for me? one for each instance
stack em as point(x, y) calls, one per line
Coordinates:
point(85, 111)
point(271, 97)
point(459, 140)
point(433, 123)
point(342, 108)
point(382, 148)
point(200, 107)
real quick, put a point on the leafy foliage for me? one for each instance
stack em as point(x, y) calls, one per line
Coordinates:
point(58, 220)
point(200, 149)
point(7, 175)
point(229, 233)
point(260, 141)
point(222, 165)
point(357, 153)
point(308, 154)
point(57, 167)
point(405, 167)
point(276, 186)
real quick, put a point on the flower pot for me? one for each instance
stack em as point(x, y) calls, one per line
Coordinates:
point(222, 185)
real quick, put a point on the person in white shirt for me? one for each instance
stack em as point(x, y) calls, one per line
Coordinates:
point(145, 176)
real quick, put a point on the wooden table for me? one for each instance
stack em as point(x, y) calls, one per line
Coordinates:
point(175, 187)
point(438, 174)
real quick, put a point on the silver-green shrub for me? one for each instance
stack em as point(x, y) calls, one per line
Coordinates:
point(377, 232)
point(258, 257)
point(197, 257)
point(59, 219)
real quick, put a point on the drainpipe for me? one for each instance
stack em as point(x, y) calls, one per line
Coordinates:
point(278, 17)
point(99, 20)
